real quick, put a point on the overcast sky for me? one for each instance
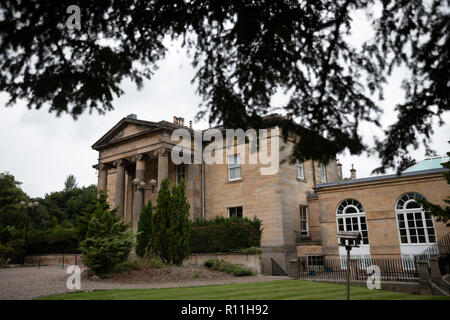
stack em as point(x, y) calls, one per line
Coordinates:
point(40, 150)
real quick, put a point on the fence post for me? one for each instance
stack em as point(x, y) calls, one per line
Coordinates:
point(424, 278)
point(435, 270)
point(62, 266)
point(39, 262)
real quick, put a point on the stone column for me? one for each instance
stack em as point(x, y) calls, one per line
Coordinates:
point(138, 195)
point(120, 186)
point(163, 165)
point(102, 178)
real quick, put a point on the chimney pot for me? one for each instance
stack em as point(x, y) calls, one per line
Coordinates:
point(352, 173)
point(339, 168)
point(190, 124)
point(132, 116)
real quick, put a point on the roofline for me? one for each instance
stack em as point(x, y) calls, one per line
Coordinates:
point(380, 178)
point(160, 125)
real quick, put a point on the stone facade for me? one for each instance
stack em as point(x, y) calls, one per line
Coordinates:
point(379, 197)
point(141, 149)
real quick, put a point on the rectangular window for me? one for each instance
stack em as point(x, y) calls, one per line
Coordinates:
point(179, 173)
point(234, 167)
point(235, 212)
point(300, 171)
point(414, 227)
point(323, 174)
point(315, 261)
point(354, 224)
point(304, 228)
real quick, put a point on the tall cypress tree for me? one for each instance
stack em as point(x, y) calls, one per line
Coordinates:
point(161, 222)
point(180, 228)
point(144, 230)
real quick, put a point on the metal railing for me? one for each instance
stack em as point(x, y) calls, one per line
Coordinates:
point(439, 249)
point(391, 269)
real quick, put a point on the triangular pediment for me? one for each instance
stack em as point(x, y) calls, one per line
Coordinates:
point(124, 129)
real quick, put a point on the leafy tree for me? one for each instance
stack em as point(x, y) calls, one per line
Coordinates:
point(108, 240)
point(180, 226)
point(144, 235)
point(161, 222)
point(442, 213)
point(244, 52)
point(405, 162)
point(11, 214)
point(70, 183)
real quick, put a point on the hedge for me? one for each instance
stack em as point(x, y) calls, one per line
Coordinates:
point(225, 235)
point(55, 240)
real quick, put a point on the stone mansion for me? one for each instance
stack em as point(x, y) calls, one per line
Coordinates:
point(302, 206)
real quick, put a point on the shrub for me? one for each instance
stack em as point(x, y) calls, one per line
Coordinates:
point(224, 266)
point(225, 235)
point(108, 240)
point(139, 264)
point(55, 240)
point(251, 250)
point(170, 224)
point(144, 235)
point(6, 253)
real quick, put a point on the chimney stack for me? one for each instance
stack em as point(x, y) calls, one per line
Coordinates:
point(178, 120)
point(289, 116)
point(339, 168)
point(132, 116)
point(190, 124)
point(352, 173)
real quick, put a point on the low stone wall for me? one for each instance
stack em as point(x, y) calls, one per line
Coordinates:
point(54, 259)
point(248, 261)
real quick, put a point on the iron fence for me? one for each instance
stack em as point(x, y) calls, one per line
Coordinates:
point(391, 269)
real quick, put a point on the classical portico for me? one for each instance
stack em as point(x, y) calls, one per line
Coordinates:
point(141, 149)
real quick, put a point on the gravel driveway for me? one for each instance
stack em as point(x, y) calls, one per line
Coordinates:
point(33, 282)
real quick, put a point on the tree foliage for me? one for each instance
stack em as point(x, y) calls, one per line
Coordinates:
point(108, 240)
point(170, 224)
point(441, 212)
point(144, 235)
point(405, 162)
point(244, 52)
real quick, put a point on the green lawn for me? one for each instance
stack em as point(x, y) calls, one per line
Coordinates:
point(273, 290)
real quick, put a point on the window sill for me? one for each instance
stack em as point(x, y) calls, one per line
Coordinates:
point(235, 180)
point(301, 179)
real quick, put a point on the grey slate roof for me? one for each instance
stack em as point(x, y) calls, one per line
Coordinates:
point(383, 177)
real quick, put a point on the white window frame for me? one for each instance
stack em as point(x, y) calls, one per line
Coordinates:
point(360, 213)
point(300, 170)
point(304, 232)
point(229, 209)
point(323, 173)
point(315, 266)
point(180, 170)
point(402, 211)
point(233, 165)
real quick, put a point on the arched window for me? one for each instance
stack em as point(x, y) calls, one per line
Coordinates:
point(414, 224)
point(351, 216)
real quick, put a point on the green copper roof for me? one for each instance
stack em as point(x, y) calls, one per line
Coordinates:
point(430, 163)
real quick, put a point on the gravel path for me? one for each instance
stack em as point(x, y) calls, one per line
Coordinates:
point(33, 282)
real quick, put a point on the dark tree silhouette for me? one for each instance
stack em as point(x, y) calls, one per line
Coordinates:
point(243, 52)
point(405, 162)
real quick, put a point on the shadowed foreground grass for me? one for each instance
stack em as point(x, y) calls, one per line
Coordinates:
point(273, 290)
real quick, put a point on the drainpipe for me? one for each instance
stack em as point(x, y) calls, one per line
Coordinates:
point(314, 173)
point(203, 189)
